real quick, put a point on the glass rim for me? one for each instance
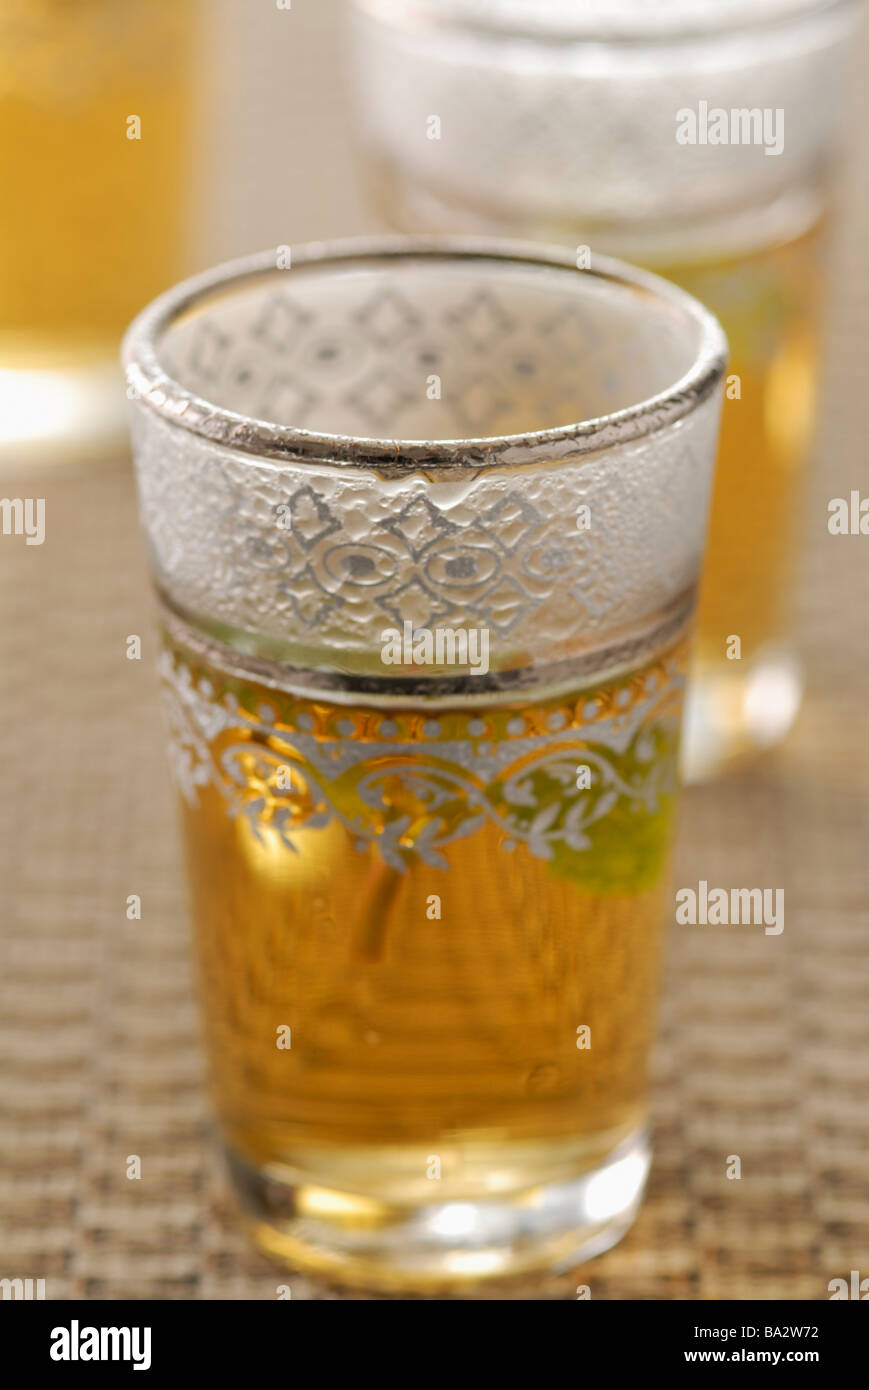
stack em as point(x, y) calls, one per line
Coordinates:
point(596, 25)
point(150, 385)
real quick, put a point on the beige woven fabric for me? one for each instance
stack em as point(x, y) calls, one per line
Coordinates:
point(764, 1046)
point(765, 1040)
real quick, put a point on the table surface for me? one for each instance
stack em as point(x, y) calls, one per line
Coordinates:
point(764, 1045)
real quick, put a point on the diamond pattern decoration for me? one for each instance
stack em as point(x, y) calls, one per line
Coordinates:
point(374, 365)
point(481, 404)
point(243, 372)
point(311, 603)
point(415, 602)
point(287, 402)
point(387, 318)
point(280, 324)
point(511, 521)
point(311, 518)
point(481, 319)
point(506, 604)
point(419, 524)
point(379, 400)
point(487, 546)
point(208, 350)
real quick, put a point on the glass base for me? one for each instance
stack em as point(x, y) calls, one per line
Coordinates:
point(735, 710)
point(62, 412)
point(445, 1246)
point(407, 204)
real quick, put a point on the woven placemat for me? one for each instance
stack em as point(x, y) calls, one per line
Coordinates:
point(764, 1041)
point(764, 1045)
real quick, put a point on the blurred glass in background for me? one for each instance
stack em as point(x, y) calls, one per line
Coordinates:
point(696, 137)
point(96, 100)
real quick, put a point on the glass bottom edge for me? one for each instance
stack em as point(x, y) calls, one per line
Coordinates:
point(736, 711)
point(62, 412)
point(446, 1248)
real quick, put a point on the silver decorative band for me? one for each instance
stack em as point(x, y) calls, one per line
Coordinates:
point(150, 384)
point(573, 673)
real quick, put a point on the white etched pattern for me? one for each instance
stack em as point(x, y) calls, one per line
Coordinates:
point(437, 352)
point(572, 521)
point(584, 132)
point(551, 544)
point(330, 557)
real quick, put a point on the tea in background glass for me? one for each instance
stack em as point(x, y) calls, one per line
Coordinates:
point(95, 117)
point(696, 138)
